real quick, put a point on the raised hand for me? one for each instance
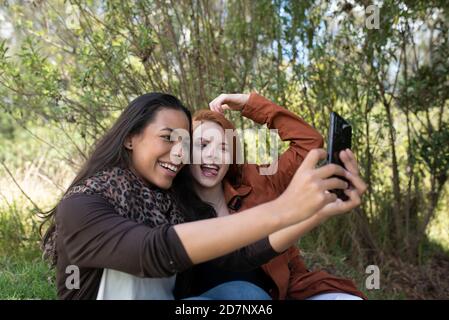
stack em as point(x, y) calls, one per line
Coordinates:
point(229, 101)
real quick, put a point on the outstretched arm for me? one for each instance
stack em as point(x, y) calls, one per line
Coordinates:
point(307, 194)
point(287, 237)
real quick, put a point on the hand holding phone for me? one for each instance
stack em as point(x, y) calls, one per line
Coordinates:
point(339, 138)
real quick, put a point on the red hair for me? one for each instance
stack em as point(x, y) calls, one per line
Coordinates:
point(234, 173)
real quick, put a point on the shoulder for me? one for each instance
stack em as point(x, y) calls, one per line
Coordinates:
point(82, 200)
point(104, 182)
point(76, 209)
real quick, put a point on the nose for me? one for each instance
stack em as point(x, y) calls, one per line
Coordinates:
point(213, 154)
point(177, 153)
point(209, 153)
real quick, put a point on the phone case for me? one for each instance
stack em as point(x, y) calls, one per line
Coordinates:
point(339, 138)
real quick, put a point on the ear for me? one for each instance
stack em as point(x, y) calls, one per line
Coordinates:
point(128, 144)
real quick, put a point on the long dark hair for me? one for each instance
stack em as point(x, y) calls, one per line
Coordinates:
point(110, 152)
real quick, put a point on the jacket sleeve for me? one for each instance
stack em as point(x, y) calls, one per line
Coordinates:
point(301, 135)
point(247, 258)
point(93, 235)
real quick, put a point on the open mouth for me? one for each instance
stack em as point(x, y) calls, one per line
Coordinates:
point(210, 170)
point(169, 167)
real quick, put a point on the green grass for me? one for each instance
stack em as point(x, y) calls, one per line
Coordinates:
point(340, 266)
point(22, 278)
point(23, 273)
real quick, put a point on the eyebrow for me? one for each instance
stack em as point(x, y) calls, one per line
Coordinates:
point(207, 140)
point(167, 129)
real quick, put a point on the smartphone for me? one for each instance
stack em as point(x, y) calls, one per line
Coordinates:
point(339, 138)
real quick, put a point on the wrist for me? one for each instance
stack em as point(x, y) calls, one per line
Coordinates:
point(278, 213)
point(288, 214)
point(244, 98)
point(319, 218)
point(248, 99)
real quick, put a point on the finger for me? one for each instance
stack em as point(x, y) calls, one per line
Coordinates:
point(217, 102)
point(357, 182)
point(353, 159)
point(351, 154)
point(330, 170)
point(349, 164)
point(334, 208)
point(330, 197)
point(354, 199)
point(217, 108)
point(312, 158)
point(213, 105)
point(344, 157)
point(335, 183)
point(346, 206)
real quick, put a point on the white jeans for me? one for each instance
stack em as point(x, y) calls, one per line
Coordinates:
point(334, 296)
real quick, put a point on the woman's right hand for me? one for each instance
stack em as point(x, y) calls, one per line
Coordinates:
point(355, 192)
point(229, 101)
point(307, 192)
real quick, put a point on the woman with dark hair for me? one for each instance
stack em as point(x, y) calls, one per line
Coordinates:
point(129, 214)
point(231, 187)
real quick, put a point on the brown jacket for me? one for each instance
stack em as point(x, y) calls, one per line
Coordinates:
point(288, 271)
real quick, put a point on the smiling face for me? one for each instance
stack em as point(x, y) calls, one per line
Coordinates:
point(152, 149)
point(211, 153)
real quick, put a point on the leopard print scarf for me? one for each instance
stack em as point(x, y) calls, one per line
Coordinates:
point(130, 196)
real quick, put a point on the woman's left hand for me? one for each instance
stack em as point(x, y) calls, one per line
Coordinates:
point(229, 101)
point(355, 192)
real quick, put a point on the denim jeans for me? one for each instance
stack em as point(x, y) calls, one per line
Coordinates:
point(234, 290)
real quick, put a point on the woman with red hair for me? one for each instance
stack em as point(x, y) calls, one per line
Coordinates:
point(230, 187)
